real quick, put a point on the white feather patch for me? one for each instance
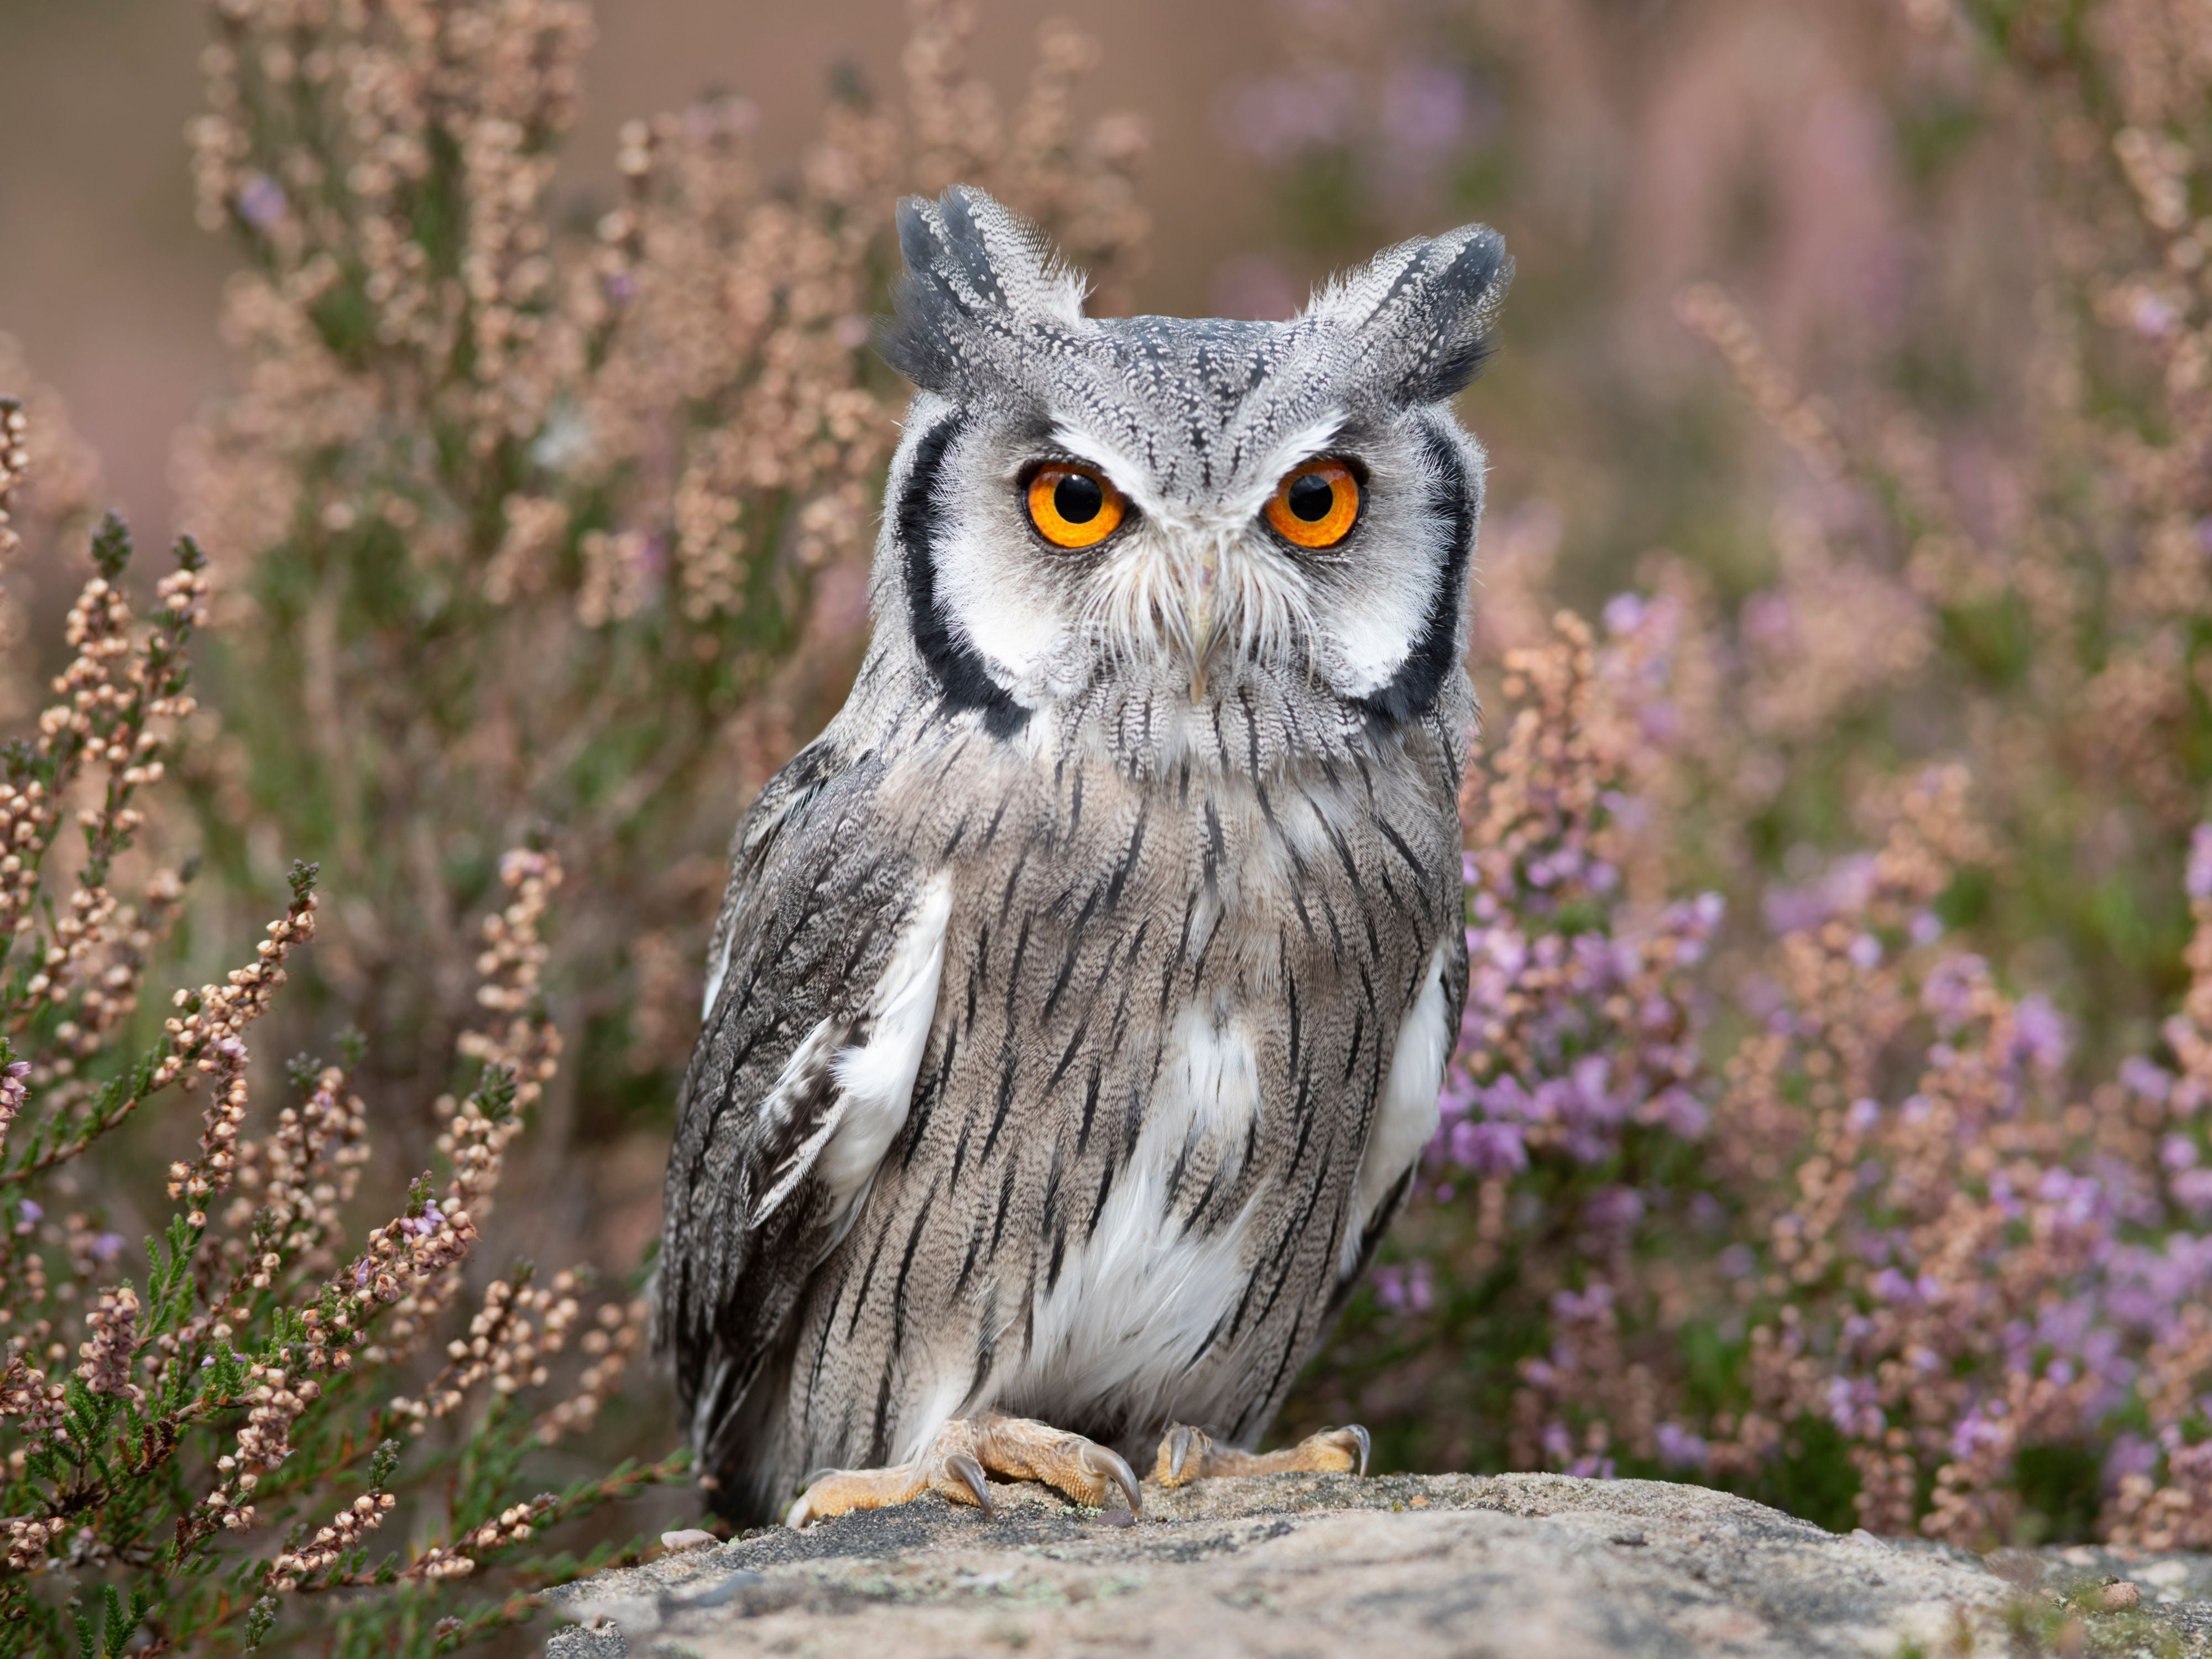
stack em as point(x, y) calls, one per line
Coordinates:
point(1135, 1301)
point(716, 975)
point(1406, 1117)
point(875, 1078)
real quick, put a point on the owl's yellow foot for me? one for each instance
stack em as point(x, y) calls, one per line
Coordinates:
point(956, 1465)
point(1188, 1455)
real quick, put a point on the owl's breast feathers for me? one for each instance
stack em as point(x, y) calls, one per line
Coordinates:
point(1029, 1082)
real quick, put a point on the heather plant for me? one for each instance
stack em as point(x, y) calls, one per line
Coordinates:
point(198, 1454)
point(1871, 1181)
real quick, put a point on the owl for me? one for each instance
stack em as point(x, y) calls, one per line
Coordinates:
point(1077, 1014)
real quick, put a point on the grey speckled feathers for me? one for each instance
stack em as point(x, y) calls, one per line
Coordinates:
point(1079, 1002)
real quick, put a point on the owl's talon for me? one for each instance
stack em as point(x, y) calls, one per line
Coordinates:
point(1182, 1456)
point(969, 1484)
point(1105, 1461)
point(1188, 1454)
point(957, 1467)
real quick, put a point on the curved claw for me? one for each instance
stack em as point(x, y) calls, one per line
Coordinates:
point(969, 1475)
point(1104, 1461)
point(1182, 1442)
point(1366, 1445)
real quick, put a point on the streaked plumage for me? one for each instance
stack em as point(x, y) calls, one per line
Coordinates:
point(1079, 1002)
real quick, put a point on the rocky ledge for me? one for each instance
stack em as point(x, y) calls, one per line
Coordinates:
point(1397, 1567)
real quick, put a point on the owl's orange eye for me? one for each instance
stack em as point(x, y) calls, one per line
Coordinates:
point(1074, 506)
point(1316, 505)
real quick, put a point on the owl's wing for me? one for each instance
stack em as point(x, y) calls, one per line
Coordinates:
point(827, 958)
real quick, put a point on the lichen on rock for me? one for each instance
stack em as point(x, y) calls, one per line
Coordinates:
point(1403, 1565)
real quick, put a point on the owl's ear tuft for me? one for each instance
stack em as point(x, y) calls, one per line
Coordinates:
point(975, 273)
point(1423, 312)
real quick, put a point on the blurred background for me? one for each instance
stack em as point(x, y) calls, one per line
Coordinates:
point(1853, 384)
point(1827, 165)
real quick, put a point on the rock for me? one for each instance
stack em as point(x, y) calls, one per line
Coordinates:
point(1404, 1566)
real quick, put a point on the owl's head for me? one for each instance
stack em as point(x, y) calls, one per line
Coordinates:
point(1131, 524)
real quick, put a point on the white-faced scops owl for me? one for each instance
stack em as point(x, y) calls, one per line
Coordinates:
point(1079, 1007)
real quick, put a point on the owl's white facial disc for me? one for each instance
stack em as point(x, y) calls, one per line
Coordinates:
point(1282, 514)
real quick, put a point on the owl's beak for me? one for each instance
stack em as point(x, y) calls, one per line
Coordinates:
point(1200, 612)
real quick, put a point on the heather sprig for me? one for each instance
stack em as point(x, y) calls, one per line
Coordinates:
point(188, 1458)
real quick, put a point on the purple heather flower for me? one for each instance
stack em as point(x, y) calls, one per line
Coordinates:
point(1614, 1209)
point(1489, 1148)
point(2040, 1034)
point(1274, 118)
point(1891, 1285)
point(261, 202)
point(2142, 1078)
point(1678, 1109)
point(28, 1211)
point(1424, 110)
point(106, 1246)
point(2199, 876)
point(1623, 613)
point(2128, 1454)
point(1949, 991)
point(2153, 316)
point(1678, 1449)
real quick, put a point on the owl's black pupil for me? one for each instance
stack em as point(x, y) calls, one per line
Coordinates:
point(1077, 499)
point(1310, 497)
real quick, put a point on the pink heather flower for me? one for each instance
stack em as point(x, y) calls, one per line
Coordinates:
point(14, 1091)
point(2192, 1189)
point(2153, 316)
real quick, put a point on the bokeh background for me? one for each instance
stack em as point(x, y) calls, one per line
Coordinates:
point(1830, 1121)
point(1820, 162)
